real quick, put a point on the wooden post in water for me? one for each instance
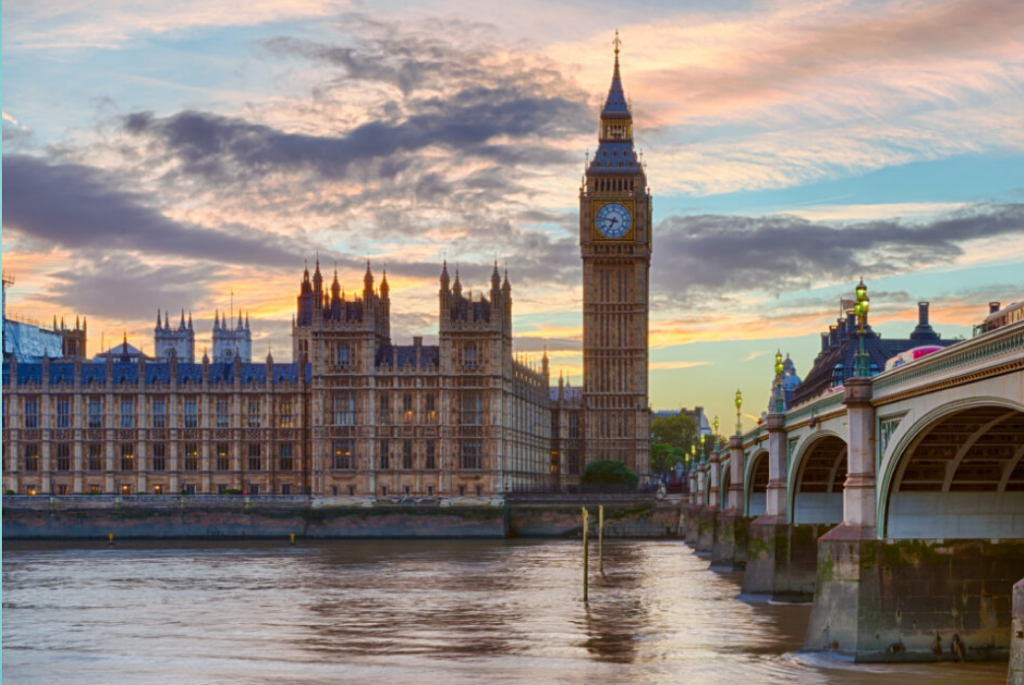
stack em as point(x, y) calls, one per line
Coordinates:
point(600, 533)
point(586, 556)
point(293, 539)
point(110, 540)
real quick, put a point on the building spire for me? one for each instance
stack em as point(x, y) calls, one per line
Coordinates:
point(616, 105)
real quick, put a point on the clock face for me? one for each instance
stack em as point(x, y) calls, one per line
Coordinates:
point(614, 221)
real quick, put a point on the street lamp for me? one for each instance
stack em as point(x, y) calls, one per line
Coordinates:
point(779, 404)
point(739, 415)
point(703, 452)
point(863, 368)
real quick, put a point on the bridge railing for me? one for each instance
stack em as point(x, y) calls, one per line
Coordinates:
point(1004, 343)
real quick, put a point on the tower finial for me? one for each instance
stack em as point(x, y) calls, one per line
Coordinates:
point(618, 44)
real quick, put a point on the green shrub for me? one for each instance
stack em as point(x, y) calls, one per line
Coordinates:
point(10, 492)
point(609, 472)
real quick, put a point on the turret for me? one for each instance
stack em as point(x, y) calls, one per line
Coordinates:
point(368, 284)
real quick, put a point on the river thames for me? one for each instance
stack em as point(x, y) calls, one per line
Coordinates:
point(403, 612)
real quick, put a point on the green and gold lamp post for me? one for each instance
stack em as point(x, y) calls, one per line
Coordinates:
point(779, 402)
point(739, 415)
point(863, 364)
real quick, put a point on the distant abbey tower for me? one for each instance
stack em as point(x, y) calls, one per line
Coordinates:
point(615, 244)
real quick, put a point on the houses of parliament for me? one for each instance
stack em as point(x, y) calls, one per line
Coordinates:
point(354, 415)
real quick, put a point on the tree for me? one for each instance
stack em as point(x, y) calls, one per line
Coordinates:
point(609, 472)
point(679, 432)
point(665, 457)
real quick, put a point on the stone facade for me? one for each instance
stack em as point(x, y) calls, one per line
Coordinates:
point(354, 416)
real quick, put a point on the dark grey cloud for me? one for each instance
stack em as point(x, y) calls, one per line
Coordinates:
point(713, 255)
point(121, 287)
point(223, 148)
point(80, 207)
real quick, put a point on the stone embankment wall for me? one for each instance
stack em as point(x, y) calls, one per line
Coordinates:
point(41, 519)
point(621, 520)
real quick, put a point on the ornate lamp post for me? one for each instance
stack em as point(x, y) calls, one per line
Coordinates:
point(779, 401)
point(863, 362)
point(703, 452)
point(739, 415)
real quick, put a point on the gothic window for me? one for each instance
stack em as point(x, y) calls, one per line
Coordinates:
point(127, 413)
point(159, 457)
point(191, 413)
point(159, 413)
point(255, 461)
point(95, 457)
point(385, 410)
point(471, 409)
point(63, 412)
point(254, 414)
point(223, 414)
point(385, 455)
point(223, 460)
point(32, 457)
point(470, 355)
point(574, 426)
point(344, 354)
point(344, 409)
point(407, 408)
point(31, 413)
point(470, 458)
point(127, 457)
point(284, 410)
point(63, 457)
point(431, 401)
point(407, 455)
point(431, 455)
point(342, 459)
point(6, 415)
point(287, 457)
point(191, 457)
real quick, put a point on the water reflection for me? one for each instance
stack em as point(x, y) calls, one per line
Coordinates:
point(449, 612)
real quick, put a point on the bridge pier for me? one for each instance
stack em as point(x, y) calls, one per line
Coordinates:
point(690, 512)
point(709, 513)
point(781, 558)
point(914, 600)
point(1016, 676)
point(733, 526)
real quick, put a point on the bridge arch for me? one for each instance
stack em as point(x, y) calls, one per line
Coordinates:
point(955, 472)
point(724, 482)
point(816, 479)
point(755, 484)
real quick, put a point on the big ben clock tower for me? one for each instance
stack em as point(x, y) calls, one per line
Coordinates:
point(615, 243)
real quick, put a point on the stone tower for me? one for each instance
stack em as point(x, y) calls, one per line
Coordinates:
point(232, 340)
point(178, 342)
point(615, 244)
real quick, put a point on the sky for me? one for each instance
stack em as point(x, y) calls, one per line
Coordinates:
point(192, 154)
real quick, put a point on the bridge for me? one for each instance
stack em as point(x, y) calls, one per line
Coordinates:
point(895, 503)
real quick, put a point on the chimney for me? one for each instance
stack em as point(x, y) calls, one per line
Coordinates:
point(922, 313)
point(824, 343)
point(993, 307)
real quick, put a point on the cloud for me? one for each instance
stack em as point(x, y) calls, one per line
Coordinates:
point(80, 207)
point(110, 24)
point(720, 254)
point(674, 366)
point(122, 288)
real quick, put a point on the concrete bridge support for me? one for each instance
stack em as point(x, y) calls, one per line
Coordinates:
point(781, 558)
point(733, 526)
point(1016, 676)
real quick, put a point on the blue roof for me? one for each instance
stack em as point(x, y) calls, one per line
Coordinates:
point(616, 106)
point(616, 157)
point(405, 355)
point(160, 373)
point(94, 373)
